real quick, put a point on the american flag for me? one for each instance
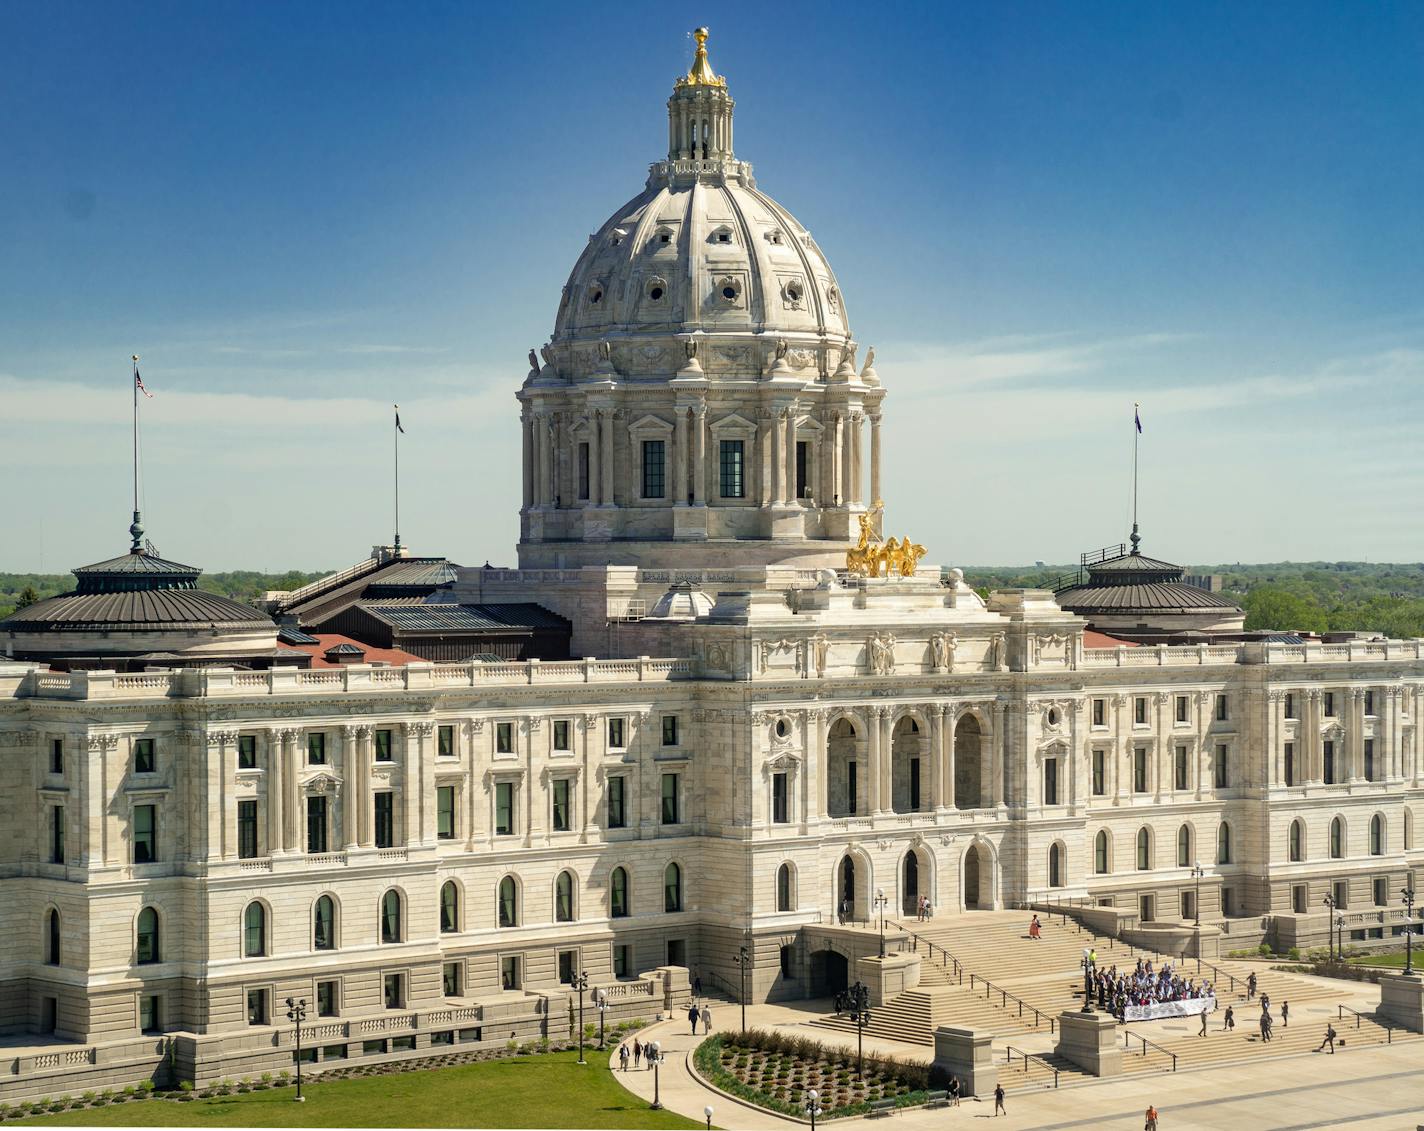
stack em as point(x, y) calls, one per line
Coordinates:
point(138, 382)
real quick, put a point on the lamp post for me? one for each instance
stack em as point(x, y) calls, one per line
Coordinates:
point(1197, 873)
point(1408, 894)
point(813, 1106)
point(707, 1112)
point(1340, 942)
point(297, 1013)
point(743, 959)
point(1087, 980)
point(879, 904)
point(858, 997)
point(601, 1000)
point(657, 1054)
point(580, 982)
point(1329, 902)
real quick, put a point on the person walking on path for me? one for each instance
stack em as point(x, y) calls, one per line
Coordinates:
point(1329, 1038)
point(999, 1100)
point(693, 1015)
point(697, 985)
point(1228, 1022)
point(953, 1091)
point(1203, 1028)
point(706, 1020)
point(1251, 986)
point(1285, 1015)
point(1034, 928)
point(1149, 1122)
point(637, 1051)
point(623, 1058)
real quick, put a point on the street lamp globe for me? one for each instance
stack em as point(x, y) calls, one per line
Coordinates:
point(707, 1112)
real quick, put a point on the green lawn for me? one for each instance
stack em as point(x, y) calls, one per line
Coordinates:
point(1394, 958)
point(551, 1090)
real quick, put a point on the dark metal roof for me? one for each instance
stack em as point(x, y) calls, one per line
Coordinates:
point(136, 610)
point(289, 634)
point(345, 650)
point(464, 618)
point(1150, 597)
point(421, 573)
point(1133, 563)
point(141, 562)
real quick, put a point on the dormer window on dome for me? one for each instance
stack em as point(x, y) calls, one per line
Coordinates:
point(721, 234)
point(595, 292)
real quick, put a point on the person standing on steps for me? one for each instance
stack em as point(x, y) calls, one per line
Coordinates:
point(1285, 1014)
point(1251, 986)
point(1203, 1028)
point(999, 1098)
point(697, 985)
point(1228, 1022)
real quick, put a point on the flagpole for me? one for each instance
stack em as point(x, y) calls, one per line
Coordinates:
point(395, 436)
point(136, 530)
point(1136, 432)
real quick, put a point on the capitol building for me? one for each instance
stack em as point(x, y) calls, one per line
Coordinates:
point(722, 707)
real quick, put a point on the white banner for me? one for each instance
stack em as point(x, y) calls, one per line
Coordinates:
point(1189, 1007)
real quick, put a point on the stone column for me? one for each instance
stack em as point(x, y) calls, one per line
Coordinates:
point(950, 718)
point(606, 459)
point(276, 835)
point(887, 761)
point(936, 755)
point(296, 818)
point(997, 760)
point(874, 458)
point(350, 789)
point(425, 779)
point(527, 426)
point(475, 806)
point(1357, 733)
point(679, 458)
point(792, 494)
point(853, 488)
point(818, 775)
point(765, 462)
point(872, 777)
point(837, 462)
point(595, 462)
point(778, 459)
point(364, 802)
point(1310, 738)
point(699, 466)
point(1160, 745)
point(409, 787)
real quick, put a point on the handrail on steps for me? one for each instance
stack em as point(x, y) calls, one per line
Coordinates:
point(1128, 1038)
point(1009, 1051)
point(1341, 1010)
point(976, 980)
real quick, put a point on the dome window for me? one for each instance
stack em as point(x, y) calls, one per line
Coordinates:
point(618, 236)
point(595, 293)
point(774, 237)
point(662, 237)
point(722, 234)
point(656, 290)
point(730, 289)
point(792, 293)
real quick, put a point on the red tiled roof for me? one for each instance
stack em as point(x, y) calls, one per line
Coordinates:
point(395, 657)
point(1092, 638)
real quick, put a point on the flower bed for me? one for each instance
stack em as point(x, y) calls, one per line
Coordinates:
point(775, 1072)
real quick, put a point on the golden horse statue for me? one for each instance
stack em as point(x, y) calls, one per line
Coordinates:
point(870, 557)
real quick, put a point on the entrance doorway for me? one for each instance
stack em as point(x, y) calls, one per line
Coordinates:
point(830, 973)
point(846, 910)
point(979, 878)
point(911, 886)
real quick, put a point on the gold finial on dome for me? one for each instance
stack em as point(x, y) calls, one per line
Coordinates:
point(701, 73)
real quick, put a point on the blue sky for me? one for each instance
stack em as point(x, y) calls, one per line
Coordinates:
point(1038, 213)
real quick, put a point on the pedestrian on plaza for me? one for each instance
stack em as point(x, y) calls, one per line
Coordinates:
point(697, 985)
point(954, 1089)
point(1285, 1015)
point(623, 1058)
point(999, 1100)
point(706, 1020)
point(693, 1015)
point(1203, 1028)
point(1228, 1022)
point(637, 1052)
point(1329, 1038)
point(1251, 986)
point(1034, 928)
point(1149, 1122)
point(1265, 1025)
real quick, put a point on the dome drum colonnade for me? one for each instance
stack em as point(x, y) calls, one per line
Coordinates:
point(700, 384)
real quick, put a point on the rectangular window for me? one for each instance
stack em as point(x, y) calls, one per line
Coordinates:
point(257, 1007)
point(1139, 710)
point(654, 485)
point(1139, 770)
point(247, 752)
point(1222, 768)
point(445, 742)
point(56, 835)
point(145, 834)
point(1381, 886)
point(669, 730)
point(393, 990)
point(1179, 768)
point(509, 972)
point(1099, 713)
point(148, 1015)
point(1328, 758)
point(316, 749)
point(1329, 704)
point(373, 1048)
point(1290, 705)
point(583, 470)
point(617, 814)
point(1050, 781)
point(385, 802)
point(852, 787)
point(1221, 708)
point(568, 964)
point(1299, 898)
point(445, 812)
point(56, 756)
point(671, 815)
point(616, 736)
point(316, 824)
point(1369, 702)
point(788, 958)
point(504, 808)
point(1290, 763)
point(247, 829)
point(622, 961)
point(1369, 759)
point(779, 806)
point(1099, 772)
point(1181, 708)
point(144, 761)
point(1189, 904)
point(504, 738)
point(732, 483)
point(803, 452)
point(333, 1052)
point(450, 979)
point(914, 785)
point(561, 736)
point(1342, 894)
point(563, 817)
point(326, 999)
point(383, 746)
point(1228, 902)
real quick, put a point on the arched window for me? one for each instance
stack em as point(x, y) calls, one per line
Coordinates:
point(148, 948)
point(1055, 865)
point(1144, 849)
point(1337, 839)
point(1223, 843)
point(449, 907)
point(52, 938)
point(1100, 852)
point(254, 931)
point(391, 917)
point(1295, 848)
point(508, 902)
point(324, 924)
point(1184, 847)
point(672, 888)
point(618, 894)
point(564, 898)
point(1376, 835)
point(785, 894)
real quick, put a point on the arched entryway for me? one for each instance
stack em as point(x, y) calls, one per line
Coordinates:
point(847, 906)
point(845, 787)
point(830, 973)
point(909, 784)
point(968, 771)
point(979, 881)
point(910, 884)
